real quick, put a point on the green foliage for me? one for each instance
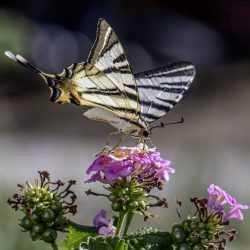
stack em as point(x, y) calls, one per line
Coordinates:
point(109, 243)
point(149, 239)
point(75, 237)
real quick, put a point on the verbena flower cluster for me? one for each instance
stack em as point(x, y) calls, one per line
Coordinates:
point(139, 162)
point(223, 204)
point(105, 226)
point(206, 228)
point(45, 206)
point(129, 176)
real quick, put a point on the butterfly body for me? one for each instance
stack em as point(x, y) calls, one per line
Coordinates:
point(106, 84)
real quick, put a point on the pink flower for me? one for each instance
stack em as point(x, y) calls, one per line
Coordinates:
point(99, 164)
point(140, 162)
point(220, 201)
point(117, 169)
point(105, 227)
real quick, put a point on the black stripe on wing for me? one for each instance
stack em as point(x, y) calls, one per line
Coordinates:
point(108, 56)
point(161, 89)
point(110, 93)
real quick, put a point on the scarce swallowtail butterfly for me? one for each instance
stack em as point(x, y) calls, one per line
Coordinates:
point(129, 102)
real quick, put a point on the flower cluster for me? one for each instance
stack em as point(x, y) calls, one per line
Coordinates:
point(131, 174)
point(105, 227)
point(44, 205)
point(220, 202)
point(206, 228)
point(139, 162)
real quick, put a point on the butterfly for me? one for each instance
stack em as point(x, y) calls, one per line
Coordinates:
point(105, 82)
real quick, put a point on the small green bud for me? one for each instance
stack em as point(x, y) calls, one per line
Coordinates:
point(176, 227)
point(34, 236)
point(125, 191)
point(32, 193)
point(35, 218)
point(133, 204)
point(39, 206)
point(48, 216)
point(210, 226)
point(60, 220)
point(116, 206)
point(26, 223)
point(56, 206)
point(112, 197)
point(178, 236)
point(201, 225)
point(203, 233)
point(192, 225)
point(38, 228)
point(185, 225)
point(49, 235)
point(142, 204)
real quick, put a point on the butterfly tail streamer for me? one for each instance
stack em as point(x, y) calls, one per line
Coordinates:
point(24, 62)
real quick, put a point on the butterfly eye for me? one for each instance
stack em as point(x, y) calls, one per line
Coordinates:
point(55, 95)
point(51, 82)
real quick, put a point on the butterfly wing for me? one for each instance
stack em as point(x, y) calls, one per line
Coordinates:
point(161, 89)
point(108, 56)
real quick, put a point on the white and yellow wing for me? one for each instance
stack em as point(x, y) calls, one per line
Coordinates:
point(108, 79)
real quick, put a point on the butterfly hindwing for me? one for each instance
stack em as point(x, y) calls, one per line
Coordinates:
point(161, 89)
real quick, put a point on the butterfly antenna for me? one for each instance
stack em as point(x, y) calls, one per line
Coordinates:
point(162, 125)
point(21, 60)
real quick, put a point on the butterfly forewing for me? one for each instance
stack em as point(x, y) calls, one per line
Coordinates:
point(161, 89)
point(97, 89)
point(108, 56)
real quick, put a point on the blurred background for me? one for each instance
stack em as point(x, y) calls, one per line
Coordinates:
point(213, 144)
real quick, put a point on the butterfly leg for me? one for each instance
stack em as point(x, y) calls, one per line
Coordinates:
point(121, 139)
point(143, 142)
point(110, 135)
point(107, 148)
point(152, 144)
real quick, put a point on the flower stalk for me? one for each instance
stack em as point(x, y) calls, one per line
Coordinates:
point(54, 246)
point(121, 220)
point(129, 218)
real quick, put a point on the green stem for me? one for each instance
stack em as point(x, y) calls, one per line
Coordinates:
point(129, 218)
point(54, 246)
point(121, 219)
point(82, 227)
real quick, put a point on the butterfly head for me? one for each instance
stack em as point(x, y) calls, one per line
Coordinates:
point(56, 83)
point(60, 93)
point(146, 133)
point(140, 133)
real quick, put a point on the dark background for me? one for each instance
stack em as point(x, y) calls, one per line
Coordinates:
point(212, 146)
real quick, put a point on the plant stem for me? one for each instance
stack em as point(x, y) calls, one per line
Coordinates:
point(129, 218)
point(121, 219)
point(82, 227)
point(54, 246)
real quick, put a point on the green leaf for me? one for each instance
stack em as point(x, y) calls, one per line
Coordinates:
point(74, 238)
point(105, 244)
point(149, 239)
